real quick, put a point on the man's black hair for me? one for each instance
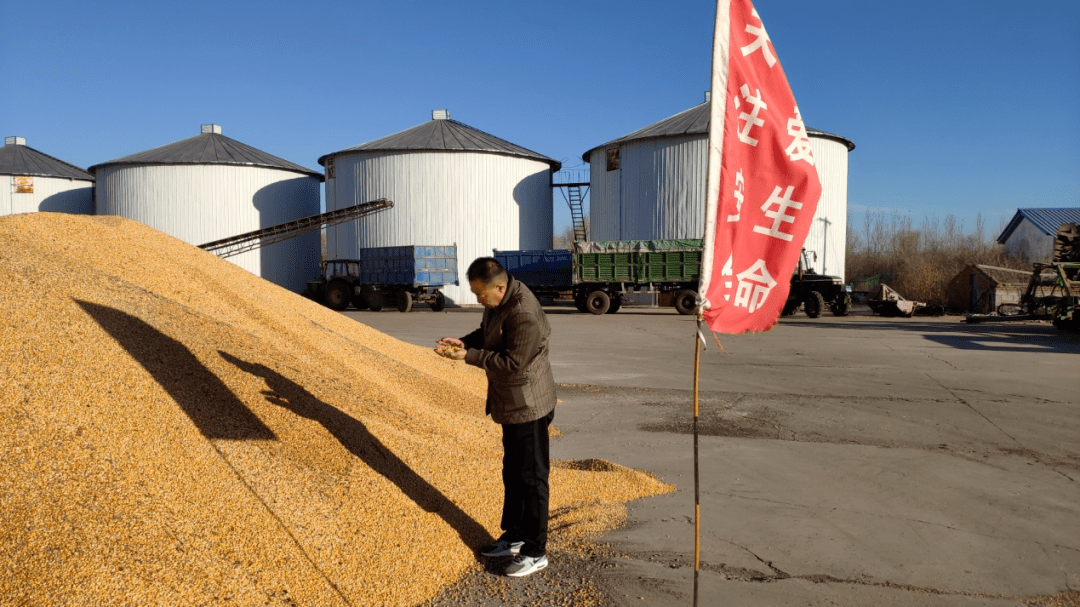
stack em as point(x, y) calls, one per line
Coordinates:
point(486, 270)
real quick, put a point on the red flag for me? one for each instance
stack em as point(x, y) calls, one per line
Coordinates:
point(762, 188)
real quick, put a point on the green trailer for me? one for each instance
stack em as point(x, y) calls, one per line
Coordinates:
point(605, 271)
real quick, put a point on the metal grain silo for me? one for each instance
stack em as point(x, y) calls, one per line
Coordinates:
point(450, 184)
point(209, 187)
point(39, 182)
point(650, 184)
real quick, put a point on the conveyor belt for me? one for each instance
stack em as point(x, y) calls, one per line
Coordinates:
point(234, 245)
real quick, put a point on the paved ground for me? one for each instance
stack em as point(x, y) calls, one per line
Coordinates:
point(844, 461)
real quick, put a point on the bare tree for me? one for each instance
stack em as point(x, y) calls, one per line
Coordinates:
point(919, 262)
point(565, 239)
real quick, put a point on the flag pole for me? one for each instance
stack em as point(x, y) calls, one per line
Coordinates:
point(741, 245)
point(697, 485)
point(717, 103)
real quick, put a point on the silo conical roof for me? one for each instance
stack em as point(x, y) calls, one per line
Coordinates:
point(16, 158)
point(208, 147)
point(694, 121)
point(446, 135)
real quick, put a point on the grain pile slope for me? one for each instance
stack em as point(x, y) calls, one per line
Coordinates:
point(177, 431)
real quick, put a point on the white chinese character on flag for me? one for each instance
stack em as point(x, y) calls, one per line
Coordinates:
point(755, 284)
point(799, 148)
point(739, 197)
point(761, 41)
point(779, 216)
point(727, 273)
point(752, 118)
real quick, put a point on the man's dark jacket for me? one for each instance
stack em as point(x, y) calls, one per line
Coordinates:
point(511, 346)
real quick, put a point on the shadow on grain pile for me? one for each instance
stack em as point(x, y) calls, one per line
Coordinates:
point(178, 431)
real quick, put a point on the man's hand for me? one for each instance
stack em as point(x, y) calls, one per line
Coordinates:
point(449, 347)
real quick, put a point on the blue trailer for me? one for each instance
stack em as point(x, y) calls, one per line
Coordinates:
point(400, 276)
point(546, 273)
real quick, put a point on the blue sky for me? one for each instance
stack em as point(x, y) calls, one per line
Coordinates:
point(956, 107)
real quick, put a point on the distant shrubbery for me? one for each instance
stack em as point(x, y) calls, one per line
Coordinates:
point(919, 262)
point(565, 239)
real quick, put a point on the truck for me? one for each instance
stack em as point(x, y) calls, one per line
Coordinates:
point(600, 273)
point(401, 276)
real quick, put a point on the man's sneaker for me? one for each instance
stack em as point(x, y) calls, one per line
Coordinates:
point(526, 565)
point(502, 548)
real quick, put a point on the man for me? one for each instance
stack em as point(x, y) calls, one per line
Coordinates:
point(511, 345)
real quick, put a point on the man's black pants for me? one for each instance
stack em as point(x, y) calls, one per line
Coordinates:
point(525, 481)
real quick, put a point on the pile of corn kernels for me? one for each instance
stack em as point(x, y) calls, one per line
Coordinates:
point(178, 431)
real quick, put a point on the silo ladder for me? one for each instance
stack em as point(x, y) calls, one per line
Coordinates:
point(577, 215)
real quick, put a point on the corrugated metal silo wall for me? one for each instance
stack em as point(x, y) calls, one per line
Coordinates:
point(202, 203)
point(828, 232)
point(604, 198)
point(480, 202)
point(52, 194)
point(658, 192)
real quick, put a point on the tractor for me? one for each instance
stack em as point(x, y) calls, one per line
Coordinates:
point(813, 291)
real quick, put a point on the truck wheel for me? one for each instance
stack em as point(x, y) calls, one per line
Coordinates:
point(598, 302)
point(840, 307)
point(814, 304)
point(404, 301)
point(616, 303)
point(579, 302)
point(686, 301)
point(375, 301)
point(338, 294)
point(311, 291)
point(790, 307)
point(439, 302)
